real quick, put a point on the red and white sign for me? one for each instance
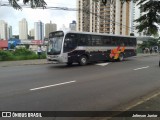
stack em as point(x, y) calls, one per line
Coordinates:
point(3, 43)
point(37, 42)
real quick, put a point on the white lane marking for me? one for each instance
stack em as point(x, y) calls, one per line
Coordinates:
point(52, 85)
point(141, 68)
point(102, 64)
point(144, 99)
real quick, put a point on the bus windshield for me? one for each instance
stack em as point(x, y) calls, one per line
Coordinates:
point(55, 44)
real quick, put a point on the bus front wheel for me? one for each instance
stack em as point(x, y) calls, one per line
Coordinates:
point(83, 60)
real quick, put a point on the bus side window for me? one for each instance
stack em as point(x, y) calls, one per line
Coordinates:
point(94, 40)
point(114, 41)
point(70, 42)
point(131, 41)
point(135, 41)
point(106, 40)
point(125, 41)
point(99, 41)
point(121, 42)
point(82, 40)
point(88, 40)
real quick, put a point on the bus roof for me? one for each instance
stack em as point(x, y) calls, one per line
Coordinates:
point(93, 33)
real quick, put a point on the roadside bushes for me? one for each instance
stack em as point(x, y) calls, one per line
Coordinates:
point(24, 54)
point(19, 54)
point(6, 55)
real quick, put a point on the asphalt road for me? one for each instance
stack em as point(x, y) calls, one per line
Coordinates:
point(95, 87)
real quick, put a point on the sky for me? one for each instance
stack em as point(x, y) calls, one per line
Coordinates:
point(59, 17)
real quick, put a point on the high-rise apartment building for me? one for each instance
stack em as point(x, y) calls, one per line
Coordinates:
point(112, 18)
point(3, 30)
point(50, 27)
point(23, 29)
point(39, 30)
point(72, 25)
point(31, 33)
point(9, 31)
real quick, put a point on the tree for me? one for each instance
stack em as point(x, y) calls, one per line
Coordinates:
point(151, 16)
point(12, 46)
point(27, 46)
point(150, 43)
point(33, 3)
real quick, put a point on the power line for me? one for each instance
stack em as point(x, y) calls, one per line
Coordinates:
point(87, 11)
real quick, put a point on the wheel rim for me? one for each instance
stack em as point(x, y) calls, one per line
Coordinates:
point(121, 57)
point(83, 60)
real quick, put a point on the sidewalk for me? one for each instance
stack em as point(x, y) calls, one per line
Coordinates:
point(146, 54)
point(23, 62)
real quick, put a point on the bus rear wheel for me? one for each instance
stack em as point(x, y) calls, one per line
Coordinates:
point(83, 60)
point(121, 57)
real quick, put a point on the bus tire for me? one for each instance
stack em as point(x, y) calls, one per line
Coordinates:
point(83, 60)
point(121, 57)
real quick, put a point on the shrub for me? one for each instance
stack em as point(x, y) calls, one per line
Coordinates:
point(22, 52)
point(6, 55)
point(19, 54)
point(43, 56)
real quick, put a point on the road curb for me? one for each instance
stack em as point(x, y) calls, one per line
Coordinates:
point(146, 55)
point(21, 63)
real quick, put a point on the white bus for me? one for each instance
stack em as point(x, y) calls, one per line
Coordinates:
point(83, 47)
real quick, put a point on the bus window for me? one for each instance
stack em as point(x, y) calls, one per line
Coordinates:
point(96, 40)
point(99, 41)
point(125, 40)
point(82, 40)
point(114, 41)
point(119, 41)
point(106, 41)
point(88, 40)
point(70, 42)
point(129, 42)
point(132, 42)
